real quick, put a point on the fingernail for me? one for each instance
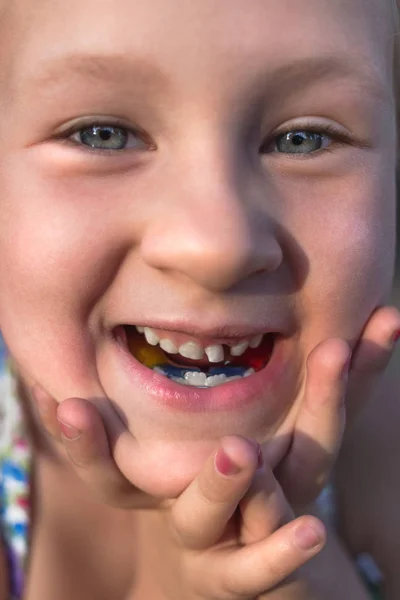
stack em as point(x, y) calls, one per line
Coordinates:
point(307, 537)
point(224, 465)
point(71, 433)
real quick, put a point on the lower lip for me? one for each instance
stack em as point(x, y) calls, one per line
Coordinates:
point(235, 395)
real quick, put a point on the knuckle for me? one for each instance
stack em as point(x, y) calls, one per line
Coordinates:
point(230, 588)
point(214, 493)
point(275, 570)
point(82, 457)
point(182, 524)
point(81, 462)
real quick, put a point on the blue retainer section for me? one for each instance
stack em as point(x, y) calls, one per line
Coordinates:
point(228, 370)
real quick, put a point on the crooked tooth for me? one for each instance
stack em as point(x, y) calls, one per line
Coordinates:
point(197, 379)
point(139, 329)
point(215, 353)
point(168, 346)
point(151, 336)
point(239, 349)
point(191, 350)
point(256, 341)
point(215, 380)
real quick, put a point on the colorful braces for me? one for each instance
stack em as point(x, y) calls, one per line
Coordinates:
point(195, 377)
point(208, 375)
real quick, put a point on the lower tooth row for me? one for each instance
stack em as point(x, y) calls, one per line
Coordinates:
point(199, 379)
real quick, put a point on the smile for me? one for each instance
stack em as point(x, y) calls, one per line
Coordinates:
point(218, 380)
point(196, 362)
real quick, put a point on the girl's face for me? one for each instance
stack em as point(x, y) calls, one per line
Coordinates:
point(211, 170)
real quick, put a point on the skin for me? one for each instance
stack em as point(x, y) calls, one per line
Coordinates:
point(73, 273)
point(80, 255)
point(368, 483)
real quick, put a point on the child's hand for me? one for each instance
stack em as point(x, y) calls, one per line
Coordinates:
point(317, 433)
point(234, 531)
point(319, 428)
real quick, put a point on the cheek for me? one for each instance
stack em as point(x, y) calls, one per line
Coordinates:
point(56, 261)
point(354, 272)
point(350, 263)
point(58, 247)
point(45, 301)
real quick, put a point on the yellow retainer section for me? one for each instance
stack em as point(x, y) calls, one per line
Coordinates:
point(150, 356)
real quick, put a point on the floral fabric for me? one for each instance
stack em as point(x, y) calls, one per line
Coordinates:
point(15, 460)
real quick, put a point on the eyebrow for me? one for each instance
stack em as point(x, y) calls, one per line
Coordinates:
point(332, 68)
point(302, 70)
point(96, 67)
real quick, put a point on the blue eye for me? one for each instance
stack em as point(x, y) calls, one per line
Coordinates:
point(108, 137)
point(300, 142)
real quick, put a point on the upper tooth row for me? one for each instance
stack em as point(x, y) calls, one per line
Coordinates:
point(194, 351)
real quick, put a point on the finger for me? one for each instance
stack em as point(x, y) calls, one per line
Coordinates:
point(320, 423)
point(371, 355)
point(78, 425)
point(376, 342)
point(93, 451)
point(201, 513)
point(258, 568)
point(264, 507)
point(85, 441)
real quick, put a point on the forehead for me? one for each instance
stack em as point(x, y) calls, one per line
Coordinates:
point(194, 42)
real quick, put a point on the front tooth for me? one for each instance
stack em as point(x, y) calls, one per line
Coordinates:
point(215, 354)
point(215, 380)
point(139, 329)
point(194, 378)
point(256, 341)
point(191, 350)
point(151, 336)
point(239, 349)
point(168, 346)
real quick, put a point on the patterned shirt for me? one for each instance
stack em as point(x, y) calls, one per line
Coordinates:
point(15, 460)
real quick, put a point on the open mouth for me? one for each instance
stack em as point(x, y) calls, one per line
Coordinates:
point(187, 361)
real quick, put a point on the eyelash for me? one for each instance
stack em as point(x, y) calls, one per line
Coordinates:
point(337, 138)
point(66, 136)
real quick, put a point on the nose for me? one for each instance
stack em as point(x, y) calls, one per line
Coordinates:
point(215, 229)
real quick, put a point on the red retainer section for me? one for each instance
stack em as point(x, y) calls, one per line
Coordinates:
point(255, 358)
